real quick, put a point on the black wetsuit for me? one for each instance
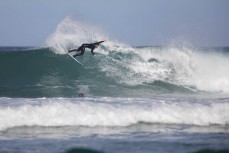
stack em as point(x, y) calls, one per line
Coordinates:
point(81, 49)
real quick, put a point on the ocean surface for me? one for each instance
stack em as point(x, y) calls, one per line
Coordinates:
point(148, 99)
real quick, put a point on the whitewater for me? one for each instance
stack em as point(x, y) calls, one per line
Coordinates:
point(171, 98)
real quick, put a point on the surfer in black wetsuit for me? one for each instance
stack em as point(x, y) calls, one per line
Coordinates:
point(81, 49)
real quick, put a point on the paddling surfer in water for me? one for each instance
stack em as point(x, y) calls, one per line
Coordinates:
point(81, 49)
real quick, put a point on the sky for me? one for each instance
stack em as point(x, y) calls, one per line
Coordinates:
point(135, 22)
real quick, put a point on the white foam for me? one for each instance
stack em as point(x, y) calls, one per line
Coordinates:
point(211, 72)
point(206, 71)
point(188, 67)
point(108, 112)
point(172, 65)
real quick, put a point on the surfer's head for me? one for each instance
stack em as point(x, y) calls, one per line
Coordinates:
point(81, 95)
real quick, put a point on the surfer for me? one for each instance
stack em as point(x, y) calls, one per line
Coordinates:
point(81, 49)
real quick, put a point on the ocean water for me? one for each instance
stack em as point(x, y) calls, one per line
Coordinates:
point(147, 99)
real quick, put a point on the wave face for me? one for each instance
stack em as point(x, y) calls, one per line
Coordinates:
point(133, 72)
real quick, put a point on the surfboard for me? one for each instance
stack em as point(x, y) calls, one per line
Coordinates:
point(75, 60)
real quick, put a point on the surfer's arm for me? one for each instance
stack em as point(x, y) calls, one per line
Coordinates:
point(100, 42)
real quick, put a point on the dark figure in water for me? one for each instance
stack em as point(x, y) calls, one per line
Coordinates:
point(81, 95)
point(81, 49)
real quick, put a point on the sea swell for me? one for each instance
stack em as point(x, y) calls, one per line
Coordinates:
point(138, 71)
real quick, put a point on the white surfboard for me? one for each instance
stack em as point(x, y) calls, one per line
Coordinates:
point(75, 59)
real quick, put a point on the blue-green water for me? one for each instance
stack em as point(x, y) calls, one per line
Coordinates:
point(137, 99)
point(42, 73)
point(137, 72)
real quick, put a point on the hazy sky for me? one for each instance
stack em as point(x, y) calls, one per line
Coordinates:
point(136, 22)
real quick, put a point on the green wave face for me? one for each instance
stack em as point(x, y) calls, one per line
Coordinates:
point(134, 72)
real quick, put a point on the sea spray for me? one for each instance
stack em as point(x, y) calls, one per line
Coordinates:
point(72, 33)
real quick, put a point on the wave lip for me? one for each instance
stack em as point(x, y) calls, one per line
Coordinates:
point(55, 112)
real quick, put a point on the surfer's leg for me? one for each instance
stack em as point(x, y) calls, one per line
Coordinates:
point(73, 50)
point(77, 50)
point(79, 54)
